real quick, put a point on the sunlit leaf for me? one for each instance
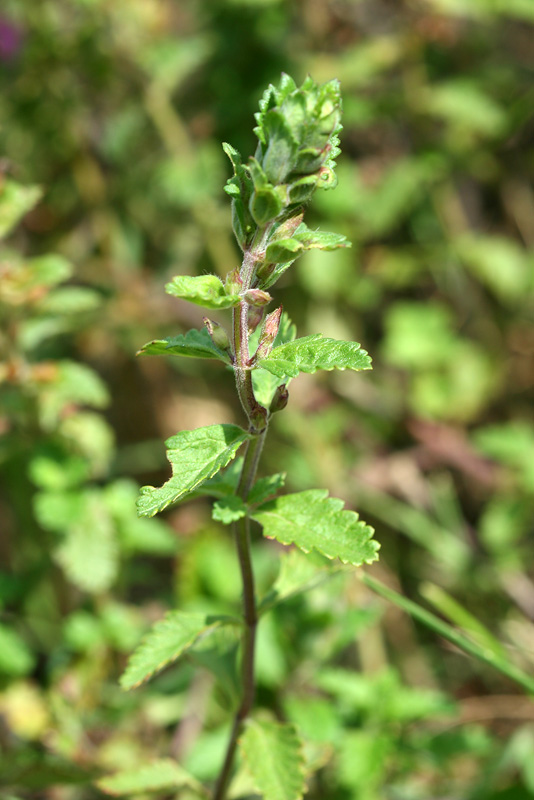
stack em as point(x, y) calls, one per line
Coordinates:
point(313, 353)
point(313, 521)
point(273, 754)
point(203, 290)
point(195, 456)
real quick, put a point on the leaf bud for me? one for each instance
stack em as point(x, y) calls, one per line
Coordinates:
point(280, 399)
point(257, 297)
point(218, 335)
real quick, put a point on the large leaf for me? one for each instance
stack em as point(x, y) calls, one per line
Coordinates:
point(203, 290)
point(195, 456)
point(163, 775)
point(312, 353)
point(313, 521)
point(273, 754)
point(193, 344)
point(169, 639)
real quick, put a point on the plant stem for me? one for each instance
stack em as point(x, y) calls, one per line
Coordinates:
point(241, 530)
point(258, 421)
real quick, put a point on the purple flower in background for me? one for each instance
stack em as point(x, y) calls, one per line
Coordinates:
point(10, 40)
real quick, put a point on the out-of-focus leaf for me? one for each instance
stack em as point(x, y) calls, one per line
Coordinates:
point(273, 755)
point(297, 574)
point(15, 201)
point(195, 456)
point(16, 658)
point(72, 383)
point(162, 775)
point(89, 552)
point(313, 521)
point(203, 290)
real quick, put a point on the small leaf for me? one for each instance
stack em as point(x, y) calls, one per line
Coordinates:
point(283, 250)
point(229, 509)
point(169, 639)
point(265, 205)
point(322, 240)
point(203, 290)
point(265, 488)
point(312, 353)
point(195, 456)
point(273, 754)
point(193, 344)
point(159, 776)
point(313, 521)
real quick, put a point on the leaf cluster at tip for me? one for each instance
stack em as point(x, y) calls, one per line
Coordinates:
point(298, 141)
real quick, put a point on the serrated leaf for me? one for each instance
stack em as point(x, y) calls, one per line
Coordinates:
point(195, 456)
point(169, 639)
point(228, 510)
point(159, 776)
point(274, 757)
point(193, 344)
point(224, 483)
point(203, 290)
point(312, 353)
point(15, 201)
point(314, 521)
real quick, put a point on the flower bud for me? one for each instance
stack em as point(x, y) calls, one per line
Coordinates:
point(234, 282)
point(218, 335)
point(280, 399)
point(257, 297)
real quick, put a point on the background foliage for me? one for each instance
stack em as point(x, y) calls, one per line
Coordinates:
point(117, 110)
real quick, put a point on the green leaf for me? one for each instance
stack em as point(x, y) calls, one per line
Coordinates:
point(89, 553)
point(273, 754)
point(15, 202)
point(321, 240)
point(312, 353)
point(195, 456)
point(160, 776)
point(313, 521)
point(169, 639)
point(283, 250)
point(265, 205)
point(193, 344)
point(203, 290)
point(229, 509)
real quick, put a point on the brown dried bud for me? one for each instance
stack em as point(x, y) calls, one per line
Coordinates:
point(268, 333)
point(218, 335)
point(280, 399)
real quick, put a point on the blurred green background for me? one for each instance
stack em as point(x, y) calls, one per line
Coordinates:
point(116, 109)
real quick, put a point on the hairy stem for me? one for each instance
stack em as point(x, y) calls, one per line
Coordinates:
point(258, 420)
